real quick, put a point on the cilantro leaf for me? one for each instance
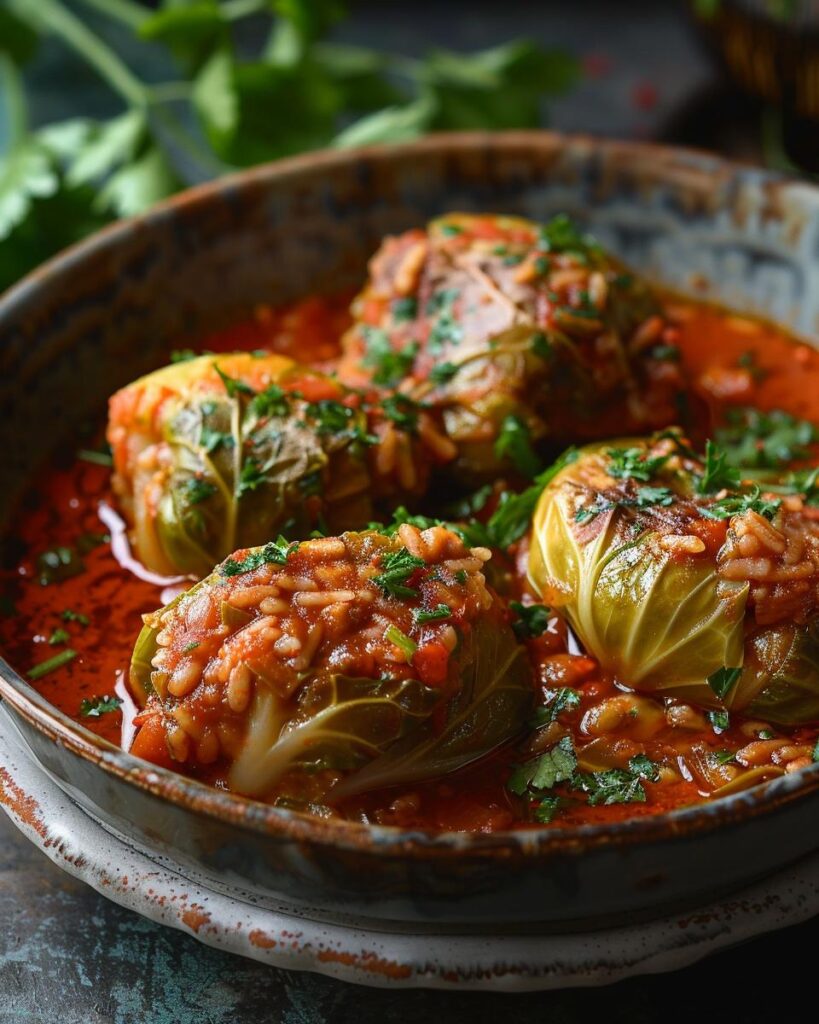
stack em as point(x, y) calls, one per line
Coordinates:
point(543, 772)
point(564, 699)
point(273, 553)
point(530, 619)
point(719, 474)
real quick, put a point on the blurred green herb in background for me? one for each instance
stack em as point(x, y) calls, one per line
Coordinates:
point(225, 108)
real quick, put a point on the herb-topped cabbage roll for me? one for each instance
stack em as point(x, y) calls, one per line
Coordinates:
point(310, 671)
point(682, 579)
point(508, 330)
point(221, 452)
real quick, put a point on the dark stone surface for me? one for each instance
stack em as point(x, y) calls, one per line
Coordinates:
point(67, 955)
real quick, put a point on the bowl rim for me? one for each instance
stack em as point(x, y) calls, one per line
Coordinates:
point(278, 823)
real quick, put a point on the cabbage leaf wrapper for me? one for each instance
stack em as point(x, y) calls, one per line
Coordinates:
point(222, 452)
point(640, 550)
point(392, 661)
point(506, 329)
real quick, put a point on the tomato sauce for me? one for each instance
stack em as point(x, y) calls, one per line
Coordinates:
point(94, 605)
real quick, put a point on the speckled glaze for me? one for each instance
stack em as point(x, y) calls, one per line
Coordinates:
point(291, 937)
point(109, 309)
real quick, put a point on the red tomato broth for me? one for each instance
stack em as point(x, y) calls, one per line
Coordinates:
point(64, 507)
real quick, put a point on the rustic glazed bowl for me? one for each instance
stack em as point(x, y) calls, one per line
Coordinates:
point(111, 308)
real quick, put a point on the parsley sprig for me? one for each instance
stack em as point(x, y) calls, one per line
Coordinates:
point(397, 567)
point(212, 113)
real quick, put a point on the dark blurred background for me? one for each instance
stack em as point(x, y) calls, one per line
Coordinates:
point(107, 105)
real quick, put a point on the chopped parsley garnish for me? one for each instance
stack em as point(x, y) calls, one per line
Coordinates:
point(511, 519)
point(515, 443)
point(403, 411)
point(642, 766)
point(543, 772)
point(720, 757)
point(719, 473)
point(723, 680)
point(251, 476)
point(665, 353)
point(273, 401)
point(445, 330)
point(88, 541)
point(765, 440)
point(541, 345)
point(739, 504)
point(564, 699)
point(67, 615)
point(547, 808)
point(397, 567)
point(530, 619)
point(719, 720)
point(98, 456)
point(197, 490)
point(183, 355)
point(190, 647)
point(443, 373)
point(212, 440)
point(404, 309)
point(644, 497)
point(561, 234)
point(273, 553)
point(615, 786)
point(389, 367)
point(330, 416)
point(404, 643)
point(57, 564)
point(98, 706)
point(43, 669)
point(448, 230)
point(59, 636)
point(440, 611)
point(634, 464)
point(806, 482)
point(233, 386)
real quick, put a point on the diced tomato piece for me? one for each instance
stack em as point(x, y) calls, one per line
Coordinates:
point(432, 663)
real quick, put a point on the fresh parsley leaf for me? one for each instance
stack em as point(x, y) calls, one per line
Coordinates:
point(634, 464)
point(561, 234)
point(183, 355)
point(719, 474)
point(59, 636)
point(564, 699)
point(443, 373)
point(98, 706)
point(541, 346)
point(530, 619)
point(403, 411)
point(196, 490)
point(273, 401)
point(67, 615)
point(511, 519)
point(251, 476)
point(543, 772)
point(397, 567)
point(719, 720)
point(404, 309)
point(515, 443)
point(58, 564)
point(615, 786)
point(547, 809)
point(212, 440)
point(440, 611)
point(765, 440)
point(233, 386)
point(389, 366)
point(739, 504)
point(273, 553)
point(722, 681)
point(642, 766)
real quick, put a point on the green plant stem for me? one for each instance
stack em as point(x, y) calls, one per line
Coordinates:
point(233, 10)
point(125, 11)
point(170, 92)
point(11, 89)
point(58, 19)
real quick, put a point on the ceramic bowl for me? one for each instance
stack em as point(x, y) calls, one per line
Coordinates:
point(110, 309)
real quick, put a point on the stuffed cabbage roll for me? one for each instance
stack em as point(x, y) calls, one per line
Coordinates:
point(222, 452)
point(508, 330)
point(682, 579)
point(314, 670)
